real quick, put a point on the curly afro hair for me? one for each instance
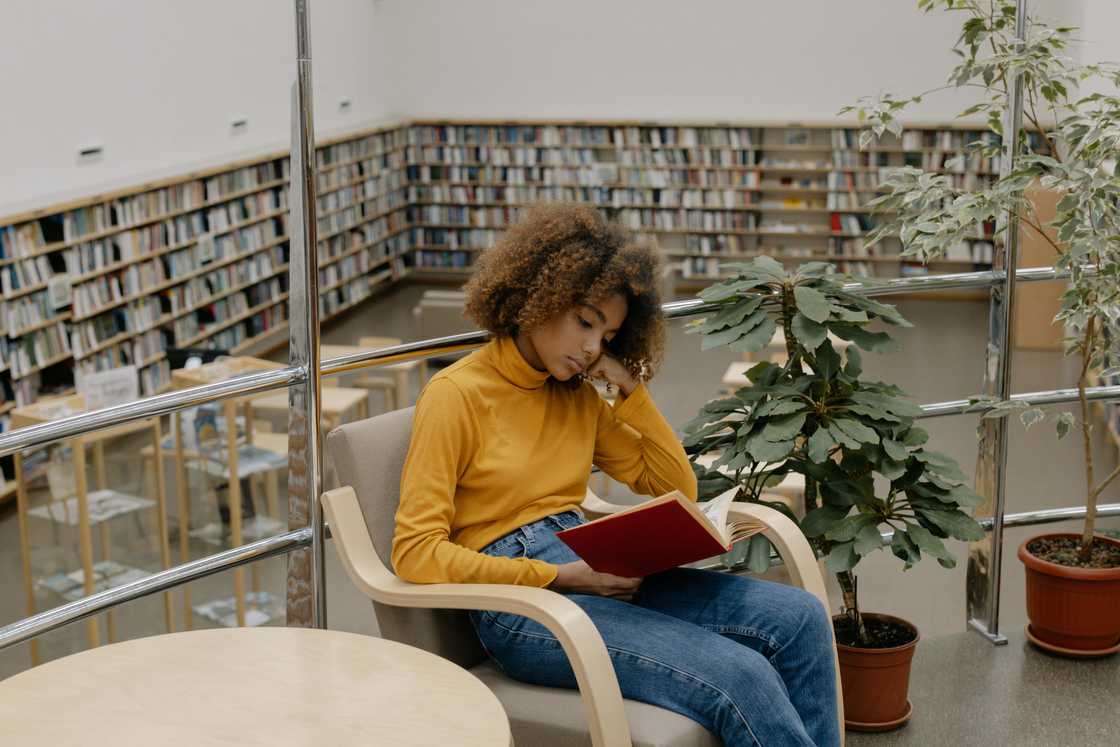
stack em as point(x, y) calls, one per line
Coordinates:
point(558, 256)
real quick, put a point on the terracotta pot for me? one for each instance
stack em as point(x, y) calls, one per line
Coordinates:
point(1072, 611)
point(875, 682)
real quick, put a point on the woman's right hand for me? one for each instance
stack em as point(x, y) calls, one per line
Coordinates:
point(578, 578)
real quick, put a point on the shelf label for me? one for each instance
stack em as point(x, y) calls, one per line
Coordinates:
point(59, 291)
point(107, 388)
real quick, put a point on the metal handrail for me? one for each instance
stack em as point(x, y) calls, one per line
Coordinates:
point(257, 383)
point(45, 622)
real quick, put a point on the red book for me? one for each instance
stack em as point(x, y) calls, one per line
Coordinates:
point(659, 534)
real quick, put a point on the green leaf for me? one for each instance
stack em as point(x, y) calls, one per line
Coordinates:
point(915, 436)
point(854, 366)
point(819, 444)
point(872, 342)
point(927, 543)
point(783, 428)
point(769, 451)
point(733, 315)
point(954, 523)
point(827, 360)
point(847, 492)
point(904, 549)
point(757, 339)
point(809, 333)
point(857, 430)
point(848, 528)
point(820, 520)
point(842, 438)
point(842, 558)
point(726, 289)
point(869, 539)
point(1064, 422)
point(896, 405)
point(811, 303)
point(758, 554)
point(964, 496)
point(724, 337)
point(895, 450)
point(770, 266)
point(891, 469)
point(775, 407)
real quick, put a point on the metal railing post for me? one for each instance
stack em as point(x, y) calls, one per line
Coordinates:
point(985, 556)
point(306, 592)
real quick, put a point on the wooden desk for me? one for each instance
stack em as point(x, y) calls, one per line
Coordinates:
point(399, 371)
point(53, 408)
point(335, 404)
point(262, 686)
point(210, 373)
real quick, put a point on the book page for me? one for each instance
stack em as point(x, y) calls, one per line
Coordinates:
point(716, 510)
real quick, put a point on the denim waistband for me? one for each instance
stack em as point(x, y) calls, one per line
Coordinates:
point(527, 533)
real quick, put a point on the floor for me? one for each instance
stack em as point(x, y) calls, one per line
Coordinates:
point(964, 690)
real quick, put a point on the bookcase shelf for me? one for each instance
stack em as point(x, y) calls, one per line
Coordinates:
point(201, 259)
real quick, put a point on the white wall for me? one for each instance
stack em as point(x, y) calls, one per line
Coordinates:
point(157, 82)
point(665, 59)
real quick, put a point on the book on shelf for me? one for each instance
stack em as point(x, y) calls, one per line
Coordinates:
point(660, 534)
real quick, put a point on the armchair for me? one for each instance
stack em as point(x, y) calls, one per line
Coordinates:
point(368, 457)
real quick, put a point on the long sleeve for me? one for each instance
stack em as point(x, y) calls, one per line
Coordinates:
point(634, 445)
point(445, 438)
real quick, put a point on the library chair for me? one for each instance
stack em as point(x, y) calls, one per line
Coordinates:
point(439, 313)
point(395, 387)
point(368, 457)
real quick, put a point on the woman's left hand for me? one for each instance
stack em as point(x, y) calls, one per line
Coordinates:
point(608, 369)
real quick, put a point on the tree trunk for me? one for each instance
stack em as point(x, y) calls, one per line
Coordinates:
point(1087, 445)
point(848, 585)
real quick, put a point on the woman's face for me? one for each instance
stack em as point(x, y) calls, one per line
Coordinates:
point(569, 343)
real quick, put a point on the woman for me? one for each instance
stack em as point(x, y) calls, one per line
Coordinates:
point(502, 447)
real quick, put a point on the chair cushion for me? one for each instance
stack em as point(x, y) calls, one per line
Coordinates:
point(553, 717)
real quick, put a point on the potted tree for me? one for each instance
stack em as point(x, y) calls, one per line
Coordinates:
point(1073, 582)
point(866, 465)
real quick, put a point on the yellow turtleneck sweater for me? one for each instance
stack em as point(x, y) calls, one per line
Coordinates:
point(497, 444)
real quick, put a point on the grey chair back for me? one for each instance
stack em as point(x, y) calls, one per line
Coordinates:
point(369, 455)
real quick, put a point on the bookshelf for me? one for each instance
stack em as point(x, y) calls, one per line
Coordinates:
point(202, 259)
point(199, 260)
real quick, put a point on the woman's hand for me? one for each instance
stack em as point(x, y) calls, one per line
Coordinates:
point(608, 369)
point(578, 578)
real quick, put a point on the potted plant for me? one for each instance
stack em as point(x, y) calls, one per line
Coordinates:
point(1073, 582)
point(866, 465)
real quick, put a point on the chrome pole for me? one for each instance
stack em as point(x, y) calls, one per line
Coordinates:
point(985, 557)
point(306, 593)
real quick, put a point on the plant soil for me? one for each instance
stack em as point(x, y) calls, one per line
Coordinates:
point(1067, 551)
point(882, 633)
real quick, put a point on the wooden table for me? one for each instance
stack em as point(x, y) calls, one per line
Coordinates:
point(251, 686)
point(335, 403)
point(52, 408)
point(210, 373)
point(400, 371)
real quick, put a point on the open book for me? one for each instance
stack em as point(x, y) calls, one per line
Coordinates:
point(659, 534)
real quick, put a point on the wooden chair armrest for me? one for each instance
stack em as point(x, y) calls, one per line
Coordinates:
point(598, 686)
point(800, 561)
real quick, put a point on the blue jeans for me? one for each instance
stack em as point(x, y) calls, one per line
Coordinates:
point(748, 659)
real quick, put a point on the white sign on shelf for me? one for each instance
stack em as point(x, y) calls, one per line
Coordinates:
point(107, 388)
point(59, 291)
point(206, 247)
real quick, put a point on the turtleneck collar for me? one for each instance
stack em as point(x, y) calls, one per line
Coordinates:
point(513, 366)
